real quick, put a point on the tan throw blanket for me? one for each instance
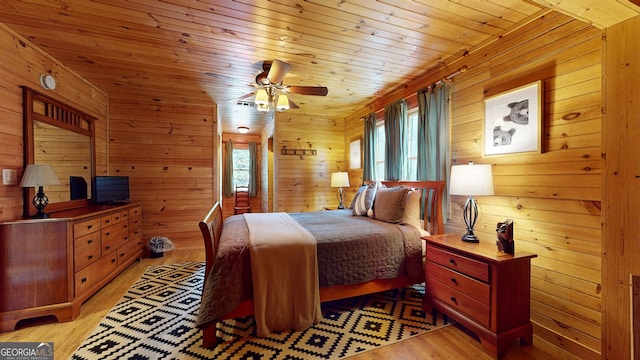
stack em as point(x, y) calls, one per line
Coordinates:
point(284, 267)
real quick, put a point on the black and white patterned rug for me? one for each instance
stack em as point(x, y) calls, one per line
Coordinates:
point(155, 320)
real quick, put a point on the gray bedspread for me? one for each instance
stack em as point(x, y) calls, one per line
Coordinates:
point(351, 249)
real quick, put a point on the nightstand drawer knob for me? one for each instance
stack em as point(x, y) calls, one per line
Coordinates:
point(453, 280)
point(453, 299)
point(452, 261)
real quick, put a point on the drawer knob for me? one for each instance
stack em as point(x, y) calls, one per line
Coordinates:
point(107, 247)
point(113, 260)
point(84, 280)
point(90, 241)
point(453, 299)
point(90, 257)
point(108, 233)
point(453, 280)
point(90, 227)
point(452, 261)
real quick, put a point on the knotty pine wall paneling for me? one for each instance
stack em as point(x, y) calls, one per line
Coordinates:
point(553, 197)
point(22, 64)
point(303, 182)
point(621, 128)
point(168, 150)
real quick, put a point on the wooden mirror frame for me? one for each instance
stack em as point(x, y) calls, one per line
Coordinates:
point(65, 117)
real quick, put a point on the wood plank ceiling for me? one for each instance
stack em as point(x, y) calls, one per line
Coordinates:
point(203, 51)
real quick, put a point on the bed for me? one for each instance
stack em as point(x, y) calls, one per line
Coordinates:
point(395, 261)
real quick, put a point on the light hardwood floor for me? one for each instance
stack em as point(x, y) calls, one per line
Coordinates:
point(448, 343)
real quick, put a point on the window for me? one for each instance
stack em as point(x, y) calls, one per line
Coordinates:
point(412, 148)
point(240, 167)
point(412, 145)
point(380, 145)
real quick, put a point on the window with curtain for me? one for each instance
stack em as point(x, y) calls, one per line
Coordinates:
point(411, 163)
point(241, 168)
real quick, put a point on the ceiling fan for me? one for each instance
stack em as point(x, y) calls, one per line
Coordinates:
point(272, 93)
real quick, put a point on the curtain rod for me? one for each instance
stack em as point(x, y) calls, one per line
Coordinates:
point(460, 70)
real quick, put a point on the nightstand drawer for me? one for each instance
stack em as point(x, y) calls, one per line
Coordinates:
point(467, 266)
point(478, 311)
point(471, 287)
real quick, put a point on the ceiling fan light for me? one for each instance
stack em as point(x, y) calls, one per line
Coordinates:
point(243, 129)
point(262, 107)
point(283, 103)
point(262, 98)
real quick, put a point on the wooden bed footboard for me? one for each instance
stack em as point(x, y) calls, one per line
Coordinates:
point(211, 228)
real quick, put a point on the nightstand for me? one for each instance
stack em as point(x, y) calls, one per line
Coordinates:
point(484, 290)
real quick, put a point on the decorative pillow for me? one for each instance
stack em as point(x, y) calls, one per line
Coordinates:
point(389, 204)
point(411, 215)
point(364, 201)
point(355, 198)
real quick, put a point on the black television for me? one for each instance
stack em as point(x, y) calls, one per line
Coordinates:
point(110, 189)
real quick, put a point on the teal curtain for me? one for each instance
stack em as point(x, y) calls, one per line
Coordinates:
point(395, 120)
point(227, 186)
point(434, 162)
point(253, 169)
point(369, 166)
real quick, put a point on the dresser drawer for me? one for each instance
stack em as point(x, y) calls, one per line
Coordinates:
point(86, 227)
point(471, 287)
point(467, 266)
point(460, 302)
point(114, 236)
point(129, 250)
point(88, 277)
point(86, 250)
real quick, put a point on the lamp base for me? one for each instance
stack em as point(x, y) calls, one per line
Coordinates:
point(470, 237)
point(40, 216)
point(340, 207)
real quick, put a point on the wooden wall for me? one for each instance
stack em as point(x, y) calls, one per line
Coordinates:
point(21, 65)
point(169, 151)
point(303, 181)
point(621, 129)
point(553, 197)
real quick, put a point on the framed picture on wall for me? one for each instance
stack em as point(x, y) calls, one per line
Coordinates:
point(513, 121)
point(355, 153)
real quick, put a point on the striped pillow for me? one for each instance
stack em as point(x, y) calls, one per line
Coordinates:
point(364, 199)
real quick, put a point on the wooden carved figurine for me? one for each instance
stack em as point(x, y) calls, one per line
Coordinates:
point(505, 236)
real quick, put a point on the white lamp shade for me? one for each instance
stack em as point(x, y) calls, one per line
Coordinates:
point(262, 98)
point(283, 103)
point(340, 179)
point(472, 179)
point(39, 175)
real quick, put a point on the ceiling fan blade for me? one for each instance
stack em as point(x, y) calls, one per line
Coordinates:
point(308, 90)
point(277, 72)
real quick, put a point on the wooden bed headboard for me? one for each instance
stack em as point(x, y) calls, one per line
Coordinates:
point(211, 228)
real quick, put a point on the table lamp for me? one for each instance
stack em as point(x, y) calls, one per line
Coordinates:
point(38, 176)
point(471, 180)
point(340, 180)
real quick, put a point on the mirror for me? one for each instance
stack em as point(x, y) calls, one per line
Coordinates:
point(62, 137)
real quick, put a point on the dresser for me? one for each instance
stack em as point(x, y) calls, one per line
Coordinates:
point(486, 291)
point(51, 266)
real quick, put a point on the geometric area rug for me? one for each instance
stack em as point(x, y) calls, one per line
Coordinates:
point(155, 319)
